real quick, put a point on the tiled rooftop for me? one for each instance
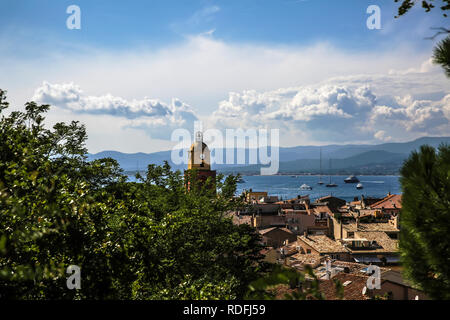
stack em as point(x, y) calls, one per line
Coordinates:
point(264, 231)
point(390, 202)
point(322, 243)
point(373, 226)
point(388, 245)
point(352, 290)
point(298, 261)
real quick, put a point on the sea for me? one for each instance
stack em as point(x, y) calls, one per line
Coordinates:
point(288, 187)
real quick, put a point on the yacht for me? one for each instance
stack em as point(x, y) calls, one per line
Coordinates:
point(305, 187)
point(351, 179)
point(359, 186)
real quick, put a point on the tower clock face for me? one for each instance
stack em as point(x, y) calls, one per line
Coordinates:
point(202, 156)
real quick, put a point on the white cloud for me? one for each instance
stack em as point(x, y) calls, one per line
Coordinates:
point(154, 116)
point(336, 113)
point(381, 135)
point(422, 116)
point(327, 94)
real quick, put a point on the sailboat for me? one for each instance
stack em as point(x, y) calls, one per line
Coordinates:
point(320, 177)
point(331, 185)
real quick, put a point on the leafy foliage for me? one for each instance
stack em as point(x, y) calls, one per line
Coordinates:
point(132, 240)
point(425, 220)
point(441, 55)
point(301, 285)
point(428, 5)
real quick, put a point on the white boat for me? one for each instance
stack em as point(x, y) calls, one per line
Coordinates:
point(359, 186)
point(305, 187)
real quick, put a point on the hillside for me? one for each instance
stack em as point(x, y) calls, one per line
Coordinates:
point(383, 158)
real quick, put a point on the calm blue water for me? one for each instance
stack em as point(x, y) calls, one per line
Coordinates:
point(289, 187)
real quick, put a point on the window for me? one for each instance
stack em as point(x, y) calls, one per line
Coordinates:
point(392, 235)
point(308, 251)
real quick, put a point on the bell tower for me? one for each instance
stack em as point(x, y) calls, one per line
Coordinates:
point(200, 160)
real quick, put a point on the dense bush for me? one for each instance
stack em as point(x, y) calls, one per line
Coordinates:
point(132, 240)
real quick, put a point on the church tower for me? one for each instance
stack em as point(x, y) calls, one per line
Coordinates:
point(199, 159)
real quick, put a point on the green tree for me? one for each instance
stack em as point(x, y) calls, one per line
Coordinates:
point(425, 220)
point(132, 240)
point(441, 53)
point(428, 5)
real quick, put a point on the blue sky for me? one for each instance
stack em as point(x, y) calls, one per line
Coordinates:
point(139, 69)
point(121, 24)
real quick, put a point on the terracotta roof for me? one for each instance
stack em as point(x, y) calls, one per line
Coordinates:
point(382, 239)
point(240, 219)
point(264, 231)
point(299, 260)
point(322, 208)
point(393, 201)
point(322, 243)
point(293, 211)
point(352, 289)
point(354, 267)
point(371, 226)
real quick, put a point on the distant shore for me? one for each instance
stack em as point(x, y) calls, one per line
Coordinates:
point(246, 174)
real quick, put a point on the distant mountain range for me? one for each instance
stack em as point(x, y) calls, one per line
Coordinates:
point(385, 158)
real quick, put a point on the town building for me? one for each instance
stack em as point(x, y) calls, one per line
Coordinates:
point(276, 237)
point(199, 165)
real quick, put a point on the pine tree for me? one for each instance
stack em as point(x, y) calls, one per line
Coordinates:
point(425, 220)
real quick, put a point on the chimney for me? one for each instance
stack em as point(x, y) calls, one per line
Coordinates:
point(396, 217)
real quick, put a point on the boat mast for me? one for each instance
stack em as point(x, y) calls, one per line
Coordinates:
point(320, 176)
point(330, 170)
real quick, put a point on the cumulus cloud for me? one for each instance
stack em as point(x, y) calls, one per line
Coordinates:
point(425, 116)
point(381, 135)
point(326, 95)
point(152, 115)
point(348, 112)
